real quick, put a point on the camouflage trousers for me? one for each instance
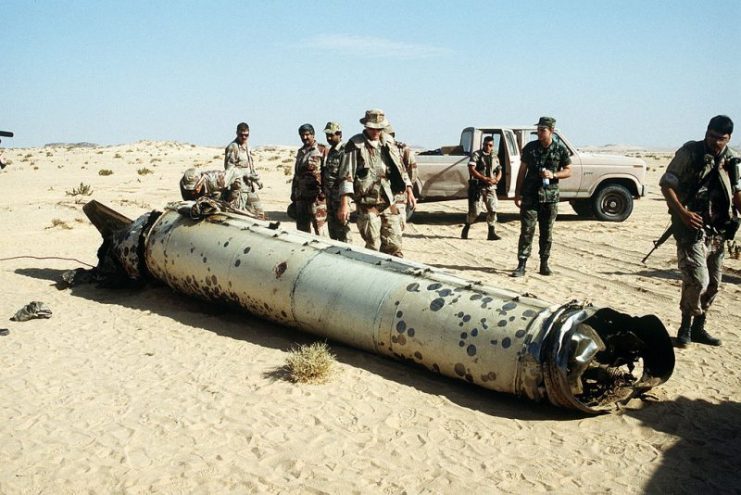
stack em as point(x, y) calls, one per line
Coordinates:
point(311, 216)
point(544, 214)
point(381, 230)
point(337, 230)
point(490, 203)
point(701, 265)
point(248, 201)
point(401, 204)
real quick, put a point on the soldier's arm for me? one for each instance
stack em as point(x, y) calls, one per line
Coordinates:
point(230, 156)
point(346, 177)
point(498, 175)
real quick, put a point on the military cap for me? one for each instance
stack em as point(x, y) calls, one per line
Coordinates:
point(332, 128)
point(549, 122)
point(306, 128)
point(374, 119)
point(190, 179)
point(390, 130)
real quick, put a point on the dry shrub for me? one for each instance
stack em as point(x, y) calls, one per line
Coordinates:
point(56, 222)
point(310, 363)
point(105, 171)
point(144, 171)
point(82, 190)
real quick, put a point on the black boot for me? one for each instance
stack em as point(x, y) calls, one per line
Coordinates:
point(464, 232)
point(544, 268)
point(700, 335)
point(683, 334)
point(492, 234)
point(520, 270)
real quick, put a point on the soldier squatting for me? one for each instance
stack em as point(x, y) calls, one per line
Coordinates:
point(701, 185)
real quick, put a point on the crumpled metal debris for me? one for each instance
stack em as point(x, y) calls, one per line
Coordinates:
point(32, 310)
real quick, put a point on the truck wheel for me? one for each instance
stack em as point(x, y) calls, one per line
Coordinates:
point(583, 207)
point(612, 203)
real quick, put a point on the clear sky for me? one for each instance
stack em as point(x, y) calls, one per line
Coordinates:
point(648, 73)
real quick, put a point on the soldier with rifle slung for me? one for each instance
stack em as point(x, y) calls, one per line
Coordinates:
point(702, 188)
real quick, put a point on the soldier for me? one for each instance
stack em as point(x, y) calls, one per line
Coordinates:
point(484, 173)
point(544, 163)
point(409, 161)
point(373, 173)
point(223, 185)
point(306, 187)
point(238, 154)
point(702, 186)
point(331, 182)
point(3, 162)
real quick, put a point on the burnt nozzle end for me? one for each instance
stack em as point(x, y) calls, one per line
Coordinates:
point(598, 358)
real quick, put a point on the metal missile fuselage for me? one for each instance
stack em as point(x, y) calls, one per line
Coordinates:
point(573, 355)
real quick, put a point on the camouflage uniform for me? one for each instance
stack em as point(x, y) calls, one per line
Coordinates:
point(409, 161)
point(700, 253)
point(480, 192)
point(306, 191)
point(214, 184)
point(331, 184)
point(240, 157)
point(539, 202)
point(374, 174)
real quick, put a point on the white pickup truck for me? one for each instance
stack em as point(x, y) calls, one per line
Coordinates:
point(602, 186)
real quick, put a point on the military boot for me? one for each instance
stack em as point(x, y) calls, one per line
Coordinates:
point(544, 268)
point(699, 334)
point(683, 336)
point(492, 234)
point(464, 232)
point(520, 270)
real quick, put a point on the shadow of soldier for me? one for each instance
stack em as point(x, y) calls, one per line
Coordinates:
point(706, 457)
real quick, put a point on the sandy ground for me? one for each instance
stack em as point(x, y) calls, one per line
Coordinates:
point(152, 392)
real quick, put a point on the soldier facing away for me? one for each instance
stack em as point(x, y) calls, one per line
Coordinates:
point(239, 155)
point(372, 172)
point(702, 188)
point(544, 163)
point(306, 187)
point(409, 161)
point(331, 181)
point(484, 172)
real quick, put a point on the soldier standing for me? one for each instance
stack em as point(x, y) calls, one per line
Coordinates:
point(373, 173)
point(409, 161)
point(484, 173)
point(702, 185)
point(306, 188)
point(544, 163)
point(331, 182)
point(238, 154)
point(3, 162)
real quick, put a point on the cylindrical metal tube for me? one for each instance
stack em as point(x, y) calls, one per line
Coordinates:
point(575, 355)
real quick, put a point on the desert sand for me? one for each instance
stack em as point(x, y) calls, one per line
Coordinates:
point(148, 391)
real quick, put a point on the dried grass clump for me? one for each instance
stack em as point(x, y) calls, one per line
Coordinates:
point(310, 363)
point(144, 171)
point(82, 190)
point(56, 222)
point(105, 171)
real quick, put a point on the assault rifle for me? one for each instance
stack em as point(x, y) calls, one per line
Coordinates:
point(658, 242)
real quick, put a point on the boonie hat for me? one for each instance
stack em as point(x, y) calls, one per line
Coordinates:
point(332, 128)
point(390, 130)
point(549, 122)
point(374, 119)
point(190, 179)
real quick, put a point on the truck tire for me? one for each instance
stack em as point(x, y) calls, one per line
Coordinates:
point(612, 203)
point(583, 207)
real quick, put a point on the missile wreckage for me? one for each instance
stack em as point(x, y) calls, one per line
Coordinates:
point(573, 355)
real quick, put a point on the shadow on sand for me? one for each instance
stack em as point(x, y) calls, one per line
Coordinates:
point(237, 324)
point(706, 457)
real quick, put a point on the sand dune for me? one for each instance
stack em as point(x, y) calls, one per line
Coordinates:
point(151, 392)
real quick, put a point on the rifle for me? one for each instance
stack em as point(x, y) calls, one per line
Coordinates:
point(658, 242)
point(6, 134)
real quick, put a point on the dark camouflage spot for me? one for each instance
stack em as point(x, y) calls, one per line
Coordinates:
point(459, 369)
point(474, 332)
point(238, 262)
point(410, 332)
point(401, 326)
point(413, 287)
point(445, 292)
point(476, 297)
point(434, 286)
point(506, 342)
point(435, 368)
point(509, 306)
point(529, 313)
point(399, 314)
point(246, 250)
point(467, 318)
point(226, 243)
point(502, 323)
point(471, 350)
point(436, 304)
point(418, 355)
point(520, 333)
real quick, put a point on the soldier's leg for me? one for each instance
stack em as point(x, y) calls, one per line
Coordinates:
point(250, 202)
point(391, 233)
point(474, 209)
point(369, 226)
point(491, 203)
point(547, 214)
point(337, 230)
point(303, 215)
point(319, 218)
point(715, 257)
point(691, 261)
point(528, 219)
